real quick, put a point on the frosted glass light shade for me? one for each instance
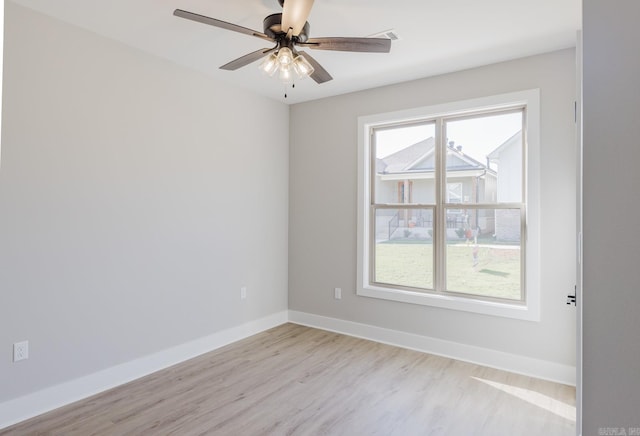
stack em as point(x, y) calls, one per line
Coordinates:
point(286, 74)
point(269, 65)
point(302, 67)
point(285, 56)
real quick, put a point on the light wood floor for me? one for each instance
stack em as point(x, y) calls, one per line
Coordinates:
point(294, 380)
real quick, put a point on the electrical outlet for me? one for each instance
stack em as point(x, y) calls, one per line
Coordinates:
point(243, 292)
point(20, 351)
point(337, 293)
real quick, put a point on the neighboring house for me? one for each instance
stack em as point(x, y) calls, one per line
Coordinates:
point(407, 176)
point(508, 158)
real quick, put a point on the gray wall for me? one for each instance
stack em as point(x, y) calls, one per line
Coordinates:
point(134, 203)
point(611, 284)
point(323, 200)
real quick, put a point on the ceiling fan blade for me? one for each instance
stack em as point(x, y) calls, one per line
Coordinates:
point(219, 23)
point(320, 75)
point(295, 14)
point(370, 45)
point(247, 59)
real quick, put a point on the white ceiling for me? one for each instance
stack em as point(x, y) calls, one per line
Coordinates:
point(437, 36)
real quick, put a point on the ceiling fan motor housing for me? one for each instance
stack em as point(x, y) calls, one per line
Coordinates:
point(272, 26)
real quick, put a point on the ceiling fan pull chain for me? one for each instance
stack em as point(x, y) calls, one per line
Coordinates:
point(293, 85)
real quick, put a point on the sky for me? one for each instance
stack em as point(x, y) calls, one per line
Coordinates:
point(477, 136)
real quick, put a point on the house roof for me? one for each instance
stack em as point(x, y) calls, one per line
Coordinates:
point(401, 160)
point(513, 140)
point(419, 157)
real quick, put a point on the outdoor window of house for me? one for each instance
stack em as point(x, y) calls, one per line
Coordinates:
point(444, 207)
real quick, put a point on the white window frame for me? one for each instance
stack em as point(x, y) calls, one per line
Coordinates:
point(530, 309)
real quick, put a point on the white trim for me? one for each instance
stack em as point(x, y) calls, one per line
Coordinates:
point(430, 176)
point(580, 229)
point(1, 66)
point(528, 366)
point(528, 312)
point(30, 405)
point(446, 301)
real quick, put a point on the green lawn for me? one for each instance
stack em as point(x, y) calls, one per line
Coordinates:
point(496, 273)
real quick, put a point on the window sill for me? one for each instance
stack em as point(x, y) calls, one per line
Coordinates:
point(520, 311)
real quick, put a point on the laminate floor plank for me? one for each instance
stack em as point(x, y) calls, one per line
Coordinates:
point(295, 380)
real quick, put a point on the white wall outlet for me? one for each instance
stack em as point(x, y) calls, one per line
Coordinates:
point(243, 292)
point(20, 351)
point(337, 293)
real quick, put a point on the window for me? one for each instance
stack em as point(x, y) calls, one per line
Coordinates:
point(448, 207)
point(454, 192)
point(404, 191)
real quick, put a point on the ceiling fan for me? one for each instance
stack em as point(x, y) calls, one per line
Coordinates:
point(289, 30)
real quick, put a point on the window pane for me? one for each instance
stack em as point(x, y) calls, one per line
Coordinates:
point(484, 156)
point(405, 164)
point(484, 253)
point(403, 247)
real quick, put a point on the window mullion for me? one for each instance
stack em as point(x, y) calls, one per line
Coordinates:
point(440, 220)
point(371, 204)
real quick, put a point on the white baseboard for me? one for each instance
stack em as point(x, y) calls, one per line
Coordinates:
point(537, 368)
point(28, 406)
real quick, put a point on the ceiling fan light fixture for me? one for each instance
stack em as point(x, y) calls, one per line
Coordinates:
point(302, 67)
point(297, 65)
point(269, 65)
